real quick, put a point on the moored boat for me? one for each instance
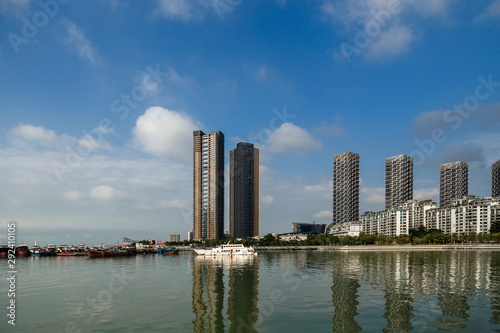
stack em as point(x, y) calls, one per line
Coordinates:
point(227, 249)
point(4, 251)
point(168, 250)
point(23, 251)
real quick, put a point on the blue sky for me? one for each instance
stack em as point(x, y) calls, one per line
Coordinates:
point(99, 100)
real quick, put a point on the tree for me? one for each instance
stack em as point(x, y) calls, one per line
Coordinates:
point(495, 227)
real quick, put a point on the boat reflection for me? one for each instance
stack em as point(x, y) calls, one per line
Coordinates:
point(212, 276)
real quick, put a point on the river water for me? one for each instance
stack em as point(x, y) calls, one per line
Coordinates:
point(302, 291)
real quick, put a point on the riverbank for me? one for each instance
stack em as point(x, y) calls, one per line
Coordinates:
point(495, 247)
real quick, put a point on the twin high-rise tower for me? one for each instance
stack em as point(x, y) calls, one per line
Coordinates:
point(208, 185)
point(244, 191)
point(208, 188)
point(398, 180)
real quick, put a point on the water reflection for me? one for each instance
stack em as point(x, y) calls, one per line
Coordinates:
point(209, 279)
point(405, 291)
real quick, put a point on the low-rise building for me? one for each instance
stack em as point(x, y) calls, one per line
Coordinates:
point(352, 229)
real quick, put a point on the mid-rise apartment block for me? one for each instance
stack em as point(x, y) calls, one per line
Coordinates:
point(345, 188)
point(454, 182)
point(398, 180)
point(208, 185)
point(397, 220)
point(244, 191)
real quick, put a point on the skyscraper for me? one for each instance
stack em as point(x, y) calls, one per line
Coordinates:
point(208, 185)
point(495, 179)
point(454, 182)
point(244, 191)
point(398, 180)
point(345, 188)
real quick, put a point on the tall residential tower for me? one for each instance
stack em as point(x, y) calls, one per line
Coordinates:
point(398, 180)
point(495, 179)
point(244, 191)
point(208, 185)
point(345, 188)
point(454, 182)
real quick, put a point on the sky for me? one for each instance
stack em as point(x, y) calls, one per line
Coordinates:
point(99, 100)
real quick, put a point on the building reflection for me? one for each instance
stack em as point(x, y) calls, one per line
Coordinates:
point(209, 285)
point(452, 278)
point(345, 294)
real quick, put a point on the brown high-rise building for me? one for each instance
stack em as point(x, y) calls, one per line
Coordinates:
point(244, 191)
point(208, 185)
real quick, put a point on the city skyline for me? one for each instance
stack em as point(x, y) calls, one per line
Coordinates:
point(100, 101)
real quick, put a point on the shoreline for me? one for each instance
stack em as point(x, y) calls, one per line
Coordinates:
point(495, 247)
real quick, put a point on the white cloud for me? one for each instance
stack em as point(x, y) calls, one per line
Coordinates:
point(292, 138)
point(323, 214)
point(15, 8)
point(267, 200)
point(373, 195)
point(394, 41)
point(426, 193)
point(74, 195)
point(166, 133)
point(32, 134)
point(490, 12)
point(108, 193)
point(77, 40)
point(380, 30)
point(183, 10)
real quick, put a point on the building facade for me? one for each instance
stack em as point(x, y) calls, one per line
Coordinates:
point(397, 220)
point(208, 185)
point(244, 191)
point(454, 182)
point(465, 215)
point(398, 180)
point(495, 180)
point(309, 228)
point(345, 188)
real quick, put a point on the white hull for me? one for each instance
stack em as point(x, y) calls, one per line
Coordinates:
point(228, 250)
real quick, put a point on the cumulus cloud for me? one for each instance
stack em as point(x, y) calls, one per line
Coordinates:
point(373, 195)
point(165, 133)
point(77, 40)
point(323, 214)
point(32, 134)
point(292, 138)
point(426, 193)
point(267, 200)
point(386, 32)
point(108, 193)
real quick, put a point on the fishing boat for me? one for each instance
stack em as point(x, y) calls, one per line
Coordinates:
point(23, 251)
point(227, 250)
point(4, 251)
point(111, 253)
point(168, 250)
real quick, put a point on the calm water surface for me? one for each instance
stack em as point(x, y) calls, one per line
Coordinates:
point(413, 291)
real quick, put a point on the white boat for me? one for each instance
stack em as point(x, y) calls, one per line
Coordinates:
point(227, 250)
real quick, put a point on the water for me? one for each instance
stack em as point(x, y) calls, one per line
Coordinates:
point(407, 291)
